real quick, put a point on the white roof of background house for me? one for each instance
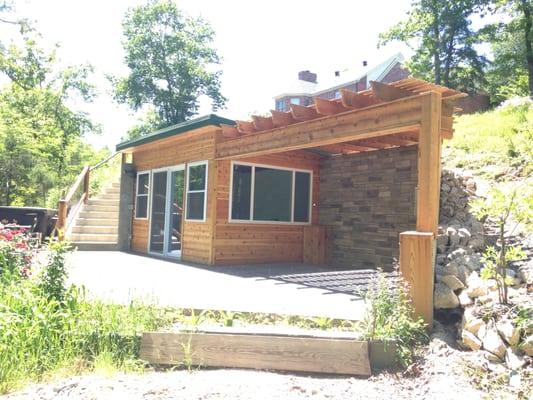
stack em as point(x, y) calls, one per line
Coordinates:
point(348, 76)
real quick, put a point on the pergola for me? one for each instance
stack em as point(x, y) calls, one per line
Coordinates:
point(404, 113)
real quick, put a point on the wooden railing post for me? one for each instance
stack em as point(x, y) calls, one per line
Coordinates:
point(86, 182)
point(417, 253)
point(62, 214)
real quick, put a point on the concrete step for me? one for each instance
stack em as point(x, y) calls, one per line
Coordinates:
point(112, 230)
point(95, 246)
point(107, 196)
point(103, 201)
point(112, 207)
point(96, 222)
point(99, 214)
point(115, 185)
point(93, 237)
point(112, 190)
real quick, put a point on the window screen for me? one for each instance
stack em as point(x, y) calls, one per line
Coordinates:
point(196, 191)
point(141, 197)
point(272, 194)
point(302, 187)
point(241, 192)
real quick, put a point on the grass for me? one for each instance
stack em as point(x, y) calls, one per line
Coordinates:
point(488, 143)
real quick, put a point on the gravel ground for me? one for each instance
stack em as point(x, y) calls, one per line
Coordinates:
point(439, 375)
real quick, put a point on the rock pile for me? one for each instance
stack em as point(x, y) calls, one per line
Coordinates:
point(486, 325)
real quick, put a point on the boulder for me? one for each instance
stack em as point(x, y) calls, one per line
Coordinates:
point(444, 297)
point(464, 236)
point(513, 360)
point(475, 286)
point(474, 325)
point(493, 342)
point(509, 332)
point(491, 357)
point(470, 340)
point(527, 345)
point(526, 274)
point(453, 235)
point(452, 282)
point(442, 243)
point(464, 299)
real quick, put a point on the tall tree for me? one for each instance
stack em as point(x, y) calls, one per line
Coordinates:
point(441, 34)
point(171, 59)
point(513, 47)
point(39, 130)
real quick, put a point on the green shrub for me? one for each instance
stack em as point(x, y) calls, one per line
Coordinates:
point(389, 317)
point(46, 327)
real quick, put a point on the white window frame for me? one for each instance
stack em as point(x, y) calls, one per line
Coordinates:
point(195, 164)
point(252, 187)
point(147, 195)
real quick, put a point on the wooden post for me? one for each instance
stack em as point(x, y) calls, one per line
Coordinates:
point(62, 214)
point(429, 149)
point(417, 249)
point(417, 254)
point(86, 182)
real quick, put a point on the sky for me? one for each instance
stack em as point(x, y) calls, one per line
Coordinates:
point(263, 45)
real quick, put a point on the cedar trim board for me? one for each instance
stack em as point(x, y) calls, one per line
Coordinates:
point(373, 121)
point(285, 353)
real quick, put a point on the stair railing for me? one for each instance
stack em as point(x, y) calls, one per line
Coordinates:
point(69, 205)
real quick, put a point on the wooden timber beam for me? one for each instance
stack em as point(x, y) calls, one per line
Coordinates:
point(281, 119)
point(245, 127)
point(373, 143)
point(351, 99)
point(229, 131)
point(386, 92)
point(374, 121)
point(301, 113)
point(394, 140)
point(262, 123)
point(429, 164)
point(328, 107)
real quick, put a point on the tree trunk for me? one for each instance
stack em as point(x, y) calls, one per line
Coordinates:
point(528, 36)
point(436, 48)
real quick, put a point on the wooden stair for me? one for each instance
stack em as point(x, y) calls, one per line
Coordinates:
point(96, 226)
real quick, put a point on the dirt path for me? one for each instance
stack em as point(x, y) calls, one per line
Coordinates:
point(439, 375)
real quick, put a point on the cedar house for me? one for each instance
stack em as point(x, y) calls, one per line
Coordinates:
point(339, 182)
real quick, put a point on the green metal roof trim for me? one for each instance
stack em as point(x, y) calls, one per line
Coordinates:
point(206, 120)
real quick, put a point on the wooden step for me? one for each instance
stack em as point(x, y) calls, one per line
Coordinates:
point(99, 214)
point(96, 222)
point(96, 246)
point(112, 230)
point(93, 237)
point(112, 190)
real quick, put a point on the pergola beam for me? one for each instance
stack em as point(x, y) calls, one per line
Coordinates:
point(379, 120)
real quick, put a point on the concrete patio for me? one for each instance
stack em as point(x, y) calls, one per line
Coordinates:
point(292, 289)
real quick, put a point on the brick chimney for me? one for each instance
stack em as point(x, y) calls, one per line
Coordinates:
point(307, 76)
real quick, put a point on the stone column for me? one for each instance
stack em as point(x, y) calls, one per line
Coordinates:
point(125, 214)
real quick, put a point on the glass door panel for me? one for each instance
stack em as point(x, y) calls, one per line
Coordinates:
point(158, 212)
point(175, 212)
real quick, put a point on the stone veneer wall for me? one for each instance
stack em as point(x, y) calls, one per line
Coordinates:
point(366, 200)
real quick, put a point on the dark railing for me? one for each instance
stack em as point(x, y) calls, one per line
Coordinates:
point(67, 211)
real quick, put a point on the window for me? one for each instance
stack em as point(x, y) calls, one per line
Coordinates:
point(196, 190)
point(267, 194)
point(295, 100)
point(280, 105)
point(141, 195)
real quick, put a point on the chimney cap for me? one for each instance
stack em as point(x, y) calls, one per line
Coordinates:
point(307, 76)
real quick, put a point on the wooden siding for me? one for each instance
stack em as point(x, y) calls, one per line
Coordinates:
point(197, 145)
point(240, 243)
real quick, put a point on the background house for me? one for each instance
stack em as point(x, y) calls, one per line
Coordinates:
point(308, 85)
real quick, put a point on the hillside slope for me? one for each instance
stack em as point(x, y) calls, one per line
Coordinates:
point(494, 145)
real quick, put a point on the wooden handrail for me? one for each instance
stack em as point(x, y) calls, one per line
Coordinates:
point(82, 177)
point(65, 203)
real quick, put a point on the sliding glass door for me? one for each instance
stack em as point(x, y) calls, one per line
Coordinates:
point(167, 211)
